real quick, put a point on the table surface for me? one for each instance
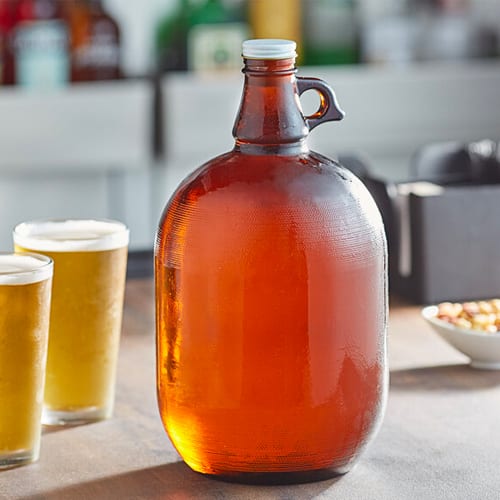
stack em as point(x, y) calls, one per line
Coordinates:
point(440, 437)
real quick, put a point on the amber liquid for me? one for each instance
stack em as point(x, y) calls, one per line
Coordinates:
point(24, 325)
point(85, 324)
point(271, 316)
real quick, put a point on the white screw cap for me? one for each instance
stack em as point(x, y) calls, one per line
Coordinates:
point(269, 48)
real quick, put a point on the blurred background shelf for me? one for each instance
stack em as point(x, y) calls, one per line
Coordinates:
point(87, 150)
point(80, 151)
point(85, 126)
point(390, 112)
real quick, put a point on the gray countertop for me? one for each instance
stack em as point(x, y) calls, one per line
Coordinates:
point(440, 438)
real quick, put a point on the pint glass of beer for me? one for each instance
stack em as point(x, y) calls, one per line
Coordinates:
point(25, 285)
point(90, 260)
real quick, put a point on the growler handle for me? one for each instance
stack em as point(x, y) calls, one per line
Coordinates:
point(328, 110)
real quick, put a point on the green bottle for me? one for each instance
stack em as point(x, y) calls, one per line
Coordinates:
point(171, 39)
point(215, 33)
point(331, 32)
point(201, 35)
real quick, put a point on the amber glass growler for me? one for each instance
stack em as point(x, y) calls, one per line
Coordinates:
point(270, 272)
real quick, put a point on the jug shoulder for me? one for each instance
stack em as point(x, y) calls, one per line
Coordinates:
point(309, 172)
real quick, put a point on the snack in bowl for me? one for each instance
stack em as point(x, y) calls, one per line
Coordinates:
point(471, 327)
point(483, 315)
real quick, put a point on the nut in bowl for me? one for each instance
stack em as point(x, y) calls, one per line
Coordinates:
point(472, 328)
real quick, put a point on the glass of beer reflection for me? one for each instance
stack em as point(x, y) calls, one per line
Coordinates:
point(90, 260)
point(25, 286)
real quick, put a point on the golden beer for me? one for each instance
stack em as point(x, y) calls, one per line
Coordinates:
point(90, 260)
point(25, 285)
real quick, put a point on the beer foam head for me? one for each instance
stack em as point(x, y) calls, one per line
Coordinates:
point(74, 235)
point(24, 268)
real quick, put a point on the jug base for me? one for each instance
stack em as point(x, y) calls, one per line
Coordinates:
point(278, 478)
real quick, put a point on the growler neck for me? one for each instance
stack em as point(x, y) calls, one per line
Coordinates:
point(270, 119)
point(270, 66)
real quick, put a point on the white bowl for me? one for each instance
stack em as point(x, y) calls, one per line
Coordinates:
point(482, 348)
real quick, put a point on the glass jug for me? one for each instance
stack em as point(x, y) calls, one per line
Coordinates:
point(271, 297)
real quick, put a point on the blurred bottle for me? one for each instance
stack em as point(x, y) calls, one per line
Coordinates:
point(202, 35)
point(95, 42)
point(277, 19)
point(37, 49)
point(171, 39)
point(216, 30)
point(392, 36)
point(451, 33)
point(5, 22)
point(330, 32)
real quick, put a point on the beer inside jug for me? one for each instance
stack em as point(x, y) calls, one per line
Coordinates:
point(271, 295)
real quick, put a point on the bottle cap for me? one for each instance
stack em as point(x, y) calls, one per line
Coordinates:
point(269, 48)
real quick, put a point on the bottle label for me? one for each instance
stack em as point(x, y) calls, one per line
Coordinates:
point(102, 50)
point(41, 54)
point(213, 47)
point(98, 55)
